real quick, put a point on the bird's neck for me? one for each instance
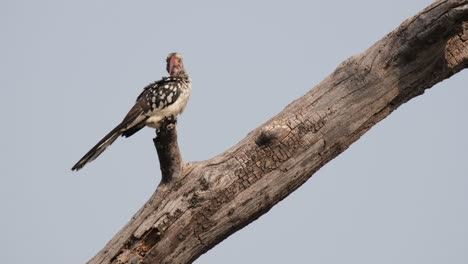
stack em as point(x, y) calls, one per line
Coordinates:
point(182, 75)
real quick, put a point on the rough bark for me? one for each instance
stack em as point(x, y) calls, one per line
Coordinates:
point(167, 148)
point(210, 200)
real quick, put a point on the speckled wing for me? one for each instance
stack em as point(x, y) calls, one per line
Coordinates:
point(160, 94)
point(155, 97)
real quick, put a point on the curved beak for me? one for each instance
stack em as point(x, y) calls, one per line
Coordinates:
point(171, 65)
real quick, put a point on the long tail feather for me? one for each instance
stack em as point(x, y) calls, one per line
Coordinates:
point(99, 148)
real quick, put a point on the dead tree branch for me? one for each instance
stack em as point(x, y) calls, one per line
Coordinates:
point(205, 202)
point(167, 148)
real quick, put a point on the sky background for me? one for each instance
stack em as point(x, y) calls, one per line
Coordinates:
point(70, 71)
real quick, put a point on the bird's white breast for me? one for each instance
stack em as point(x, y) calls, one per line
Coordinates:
point(172, 110)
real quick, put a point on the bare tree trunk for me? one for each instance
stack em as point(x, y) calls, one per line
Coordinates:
point(197, 205)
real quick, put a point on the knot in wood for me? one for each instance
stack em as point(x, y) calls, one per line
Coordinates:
point(272, 134)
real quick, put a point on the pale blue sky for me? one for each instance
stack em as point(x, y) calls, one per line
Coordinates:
point(70, 70)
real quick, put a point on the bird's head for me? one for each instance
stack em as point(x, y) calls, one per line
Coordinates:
point(175, 66)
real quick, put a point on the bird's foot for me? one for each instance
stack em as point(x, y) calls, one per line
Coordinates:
point(171, 119)
point(170, 122)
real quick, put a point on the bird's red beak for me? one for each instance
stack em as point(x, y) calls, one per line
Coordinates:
point(172, 68)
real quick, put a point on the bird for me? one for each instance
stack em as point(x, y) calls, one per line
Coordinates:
point(160, 100)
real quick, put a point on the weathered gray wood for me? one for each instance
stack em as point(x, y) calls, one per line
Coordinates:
point(210, 200)
point(167, 148)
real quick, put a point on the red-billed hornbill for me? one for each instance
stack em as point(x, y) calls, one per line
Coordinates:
point(162, 99)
